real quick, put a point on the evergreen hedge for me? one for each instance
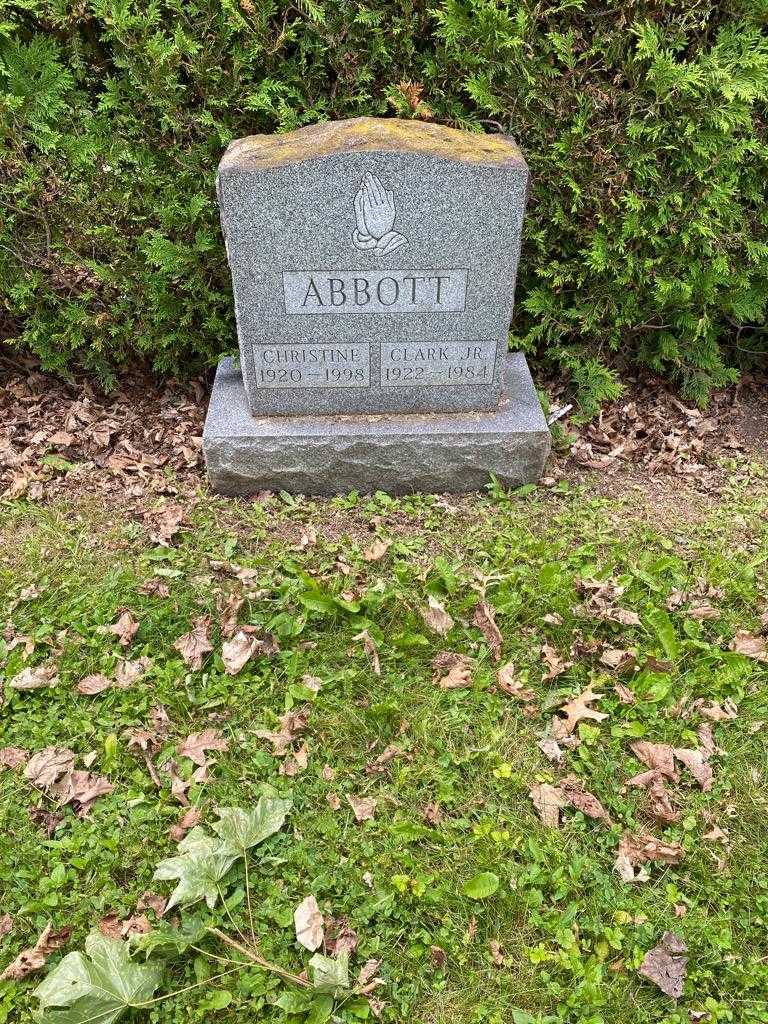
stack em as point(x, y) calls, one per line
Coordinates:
point(643, 124)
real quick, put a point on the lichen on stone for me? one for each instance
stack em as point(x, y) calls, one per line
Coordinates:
point(370, 135)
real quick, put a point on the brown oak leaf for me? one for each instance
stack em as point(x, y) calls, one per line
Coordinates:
point(555, 664)
point(578, 709)
point(634, 850)
point(658, 756)
point(376, 550)
point(195, 745)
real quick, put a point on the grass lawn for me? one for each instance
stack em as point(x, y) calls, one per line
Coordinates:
point(477, 910)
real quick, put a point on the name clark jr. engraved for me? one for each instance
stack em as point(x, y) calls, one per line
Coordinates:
point(339, 292)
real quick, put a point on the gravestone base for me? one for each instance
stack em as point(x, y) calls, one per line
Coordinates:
point(398, 454)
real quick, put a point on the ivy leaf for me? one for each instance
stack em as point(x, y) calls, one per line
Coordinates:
point(330, 974)
point(203, 863)
point(99, 989)
point(243, 829)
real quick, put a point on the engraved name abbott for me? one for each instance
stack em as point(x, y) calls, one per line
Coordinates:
point(337, 292)
point(375, 216)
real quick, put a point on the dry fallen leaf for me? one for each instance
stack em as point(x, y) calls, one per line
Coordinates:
point(625, 695)
point(151, 901)
point(295, 762)
point(229, 609)
point(582, 800)
point(555, 664)
point(696, 761)
point(364, 807)
point(33, 959)
point(129, 672)
point(508, 683)
point(550, 748)
point(47, 766)
point(193, 646)
point(716, 835)
point(658, 756)
point(452, 671)
point(749, 645)
point(308, 539)
point(659, 799)
point(370, 648)
point(706, 739)
point(617, 659)
point(166, 523)
point(94, 684)
point(367, 974)
point(155, 588)
point(376, 551)
point(484, 618)
point(48, 821)
point(432, 815)
point(703, 610)
point(195, 745)
point(188, 820)
point(578, 710)
point(639, 849)
point(333, 801)
point(35, 678)
point(379, 764)
point(436, 617)
point(665, 965)
point(292, 724)
point(340, 937)
point(81, 789)
point(125, 628)
point(13, 757)
point(309, 924)
point(497, 952)
point(6, 924)
point(548, 800)
point(725, 712)
point(238, 651)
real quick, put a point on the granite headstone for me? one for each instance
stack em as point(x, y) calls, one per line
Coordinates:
point(373, 263)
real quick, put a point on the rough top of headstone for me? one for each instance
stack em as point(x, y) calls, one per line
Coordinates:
point(372, 135)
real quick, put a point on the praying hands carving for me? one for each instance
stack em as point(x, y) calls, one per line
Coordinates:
point(375, 215)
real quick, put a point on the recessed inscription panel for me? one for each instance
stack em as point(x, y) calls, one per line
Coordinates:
point(312, 366)
point(341, 292)
point(423, 364)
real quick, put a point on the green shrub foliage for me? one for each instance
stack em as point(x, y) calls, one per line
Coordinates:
point(643, 124)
